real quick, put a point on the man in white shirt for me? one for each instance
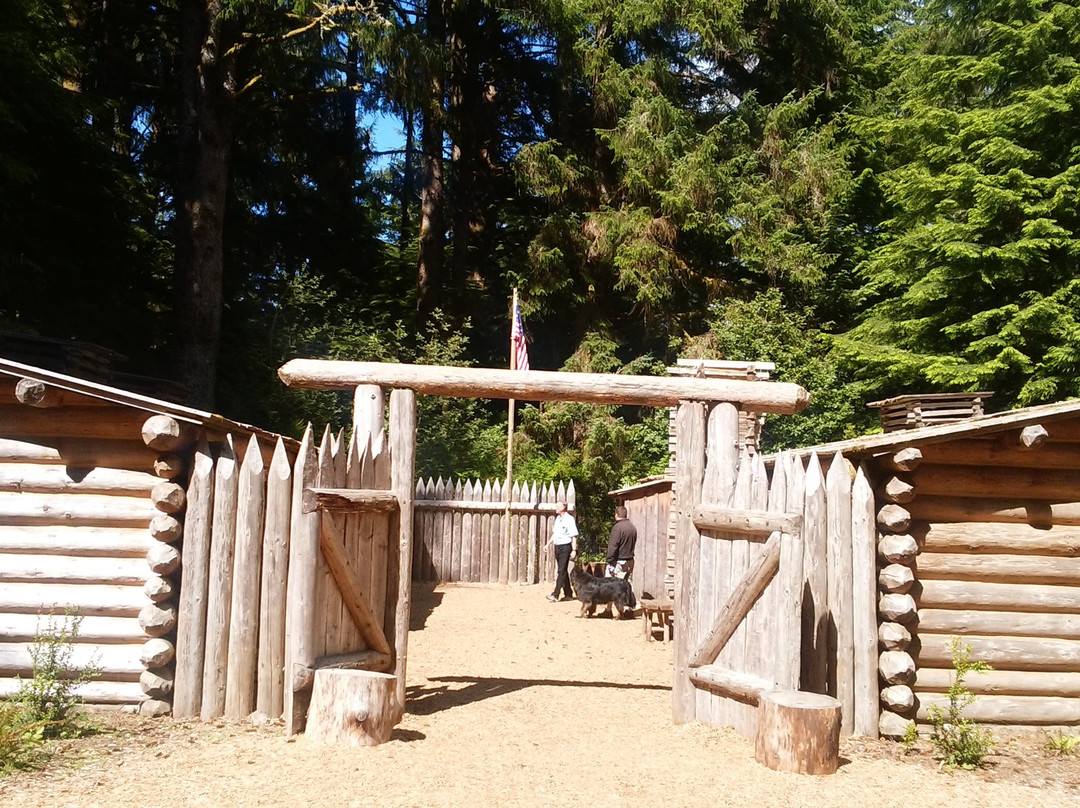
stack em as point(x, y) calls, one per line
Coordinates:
point(564, 535)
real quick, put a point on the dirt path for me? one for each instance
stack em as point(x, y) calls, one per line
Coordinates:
point(513, 702)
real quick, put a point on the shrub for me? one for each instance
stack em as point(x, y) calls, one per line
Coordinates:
point(21, 738)
point(49, 697)
point(958, 740)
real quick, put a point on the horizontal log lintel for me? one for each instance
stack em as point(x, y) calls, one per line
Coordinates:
point(734, 520)
point(744, 687)
point(540, 385)
point(349, 499)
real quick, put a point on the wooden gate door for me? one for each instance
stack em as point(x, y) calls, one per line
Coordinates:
point(350, 555)
point(738, 573)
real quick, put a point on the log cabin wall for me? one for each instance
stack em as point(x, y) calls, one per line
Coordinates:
point(87, 523)
point(98, 500)
point(991, 555)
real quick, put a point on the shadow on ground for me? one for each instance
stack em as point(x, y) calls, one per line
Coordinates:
point(428, 700)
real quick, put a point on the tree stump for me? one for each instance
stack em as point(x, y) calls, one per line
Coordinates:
point(798, 732)
point(352, 707)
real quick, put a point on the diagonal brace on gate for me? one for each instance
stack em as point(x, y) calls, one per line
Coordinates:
point(744, 686)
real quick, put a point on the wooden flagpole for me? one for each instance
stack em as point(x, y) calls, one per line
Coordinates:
point(504, 565)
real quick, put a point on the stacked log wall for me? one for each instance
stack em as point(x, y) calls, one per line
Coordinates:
point(998, 565)
point(88, 527)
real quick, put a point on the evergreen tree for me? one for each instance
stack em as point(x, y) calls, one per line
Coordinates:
point(973, 284)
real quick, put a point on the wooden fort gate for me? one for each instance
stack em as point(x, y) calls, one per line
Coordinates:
point(720, 668)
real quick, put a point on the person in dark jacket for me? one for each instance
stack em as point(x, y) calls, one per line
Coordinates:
point(620, 549)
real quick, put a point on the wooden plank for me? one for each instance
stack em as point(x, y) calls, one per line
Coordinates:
point(815, 607)
point(273, 592)
point(384, 546)
point(103, 542)
point(351, 539)
point(689, 473)
point(117, 663)
point(841, 619)
point(791, 567)
point(38, 478)
point(989, 538)
point(300, 645)
point(1012, 569)
point(749, 589)
point(1012, 710)
point(25, 628)
point(72, 422)
point(1003, 653)
point(367, 660)
point(1025, 598)
point(349, 500)
point(403, 452)
point(742, 687)
point(1013, 510)
point(964, 622)
point(75, 509)
point(91, 600)
point(1001, 683)
point(472, 540)
point(97, 692)
point(759, 523)
point(788, 585)
point(219, 586)
point(72, 570)
point(864, 604)
point(241, 685)
point(991, 482)
point(539, 385)
point(333, 613)
point(982, 453)
point(761, 621)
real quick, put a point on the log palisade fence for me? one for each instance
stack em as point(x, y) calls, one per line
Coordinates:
point(774, 578)
point(460, 533)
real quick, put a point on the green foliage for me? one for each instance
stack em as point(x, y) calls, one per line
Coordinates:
point(958, 740)
point(766, 329)
point(910, 738)
point(22, 739)
point(49, 697)
point(1062, 743)
point(600, 448)
point(973, 282)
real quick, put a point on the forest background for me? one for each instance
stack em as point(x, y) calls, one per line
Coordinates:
point(880, 197)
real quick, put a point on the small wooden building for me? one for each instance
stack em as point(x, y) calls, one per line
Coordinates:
point(93, 489)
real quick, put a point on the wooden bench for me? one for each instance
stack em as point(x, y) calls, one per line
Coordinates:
point(658, 613)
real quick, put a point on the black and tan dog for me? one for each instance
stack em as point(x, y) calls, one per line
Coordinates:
point(593, 591)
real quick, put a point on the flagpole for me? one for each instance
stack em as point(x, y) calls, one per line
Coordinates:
point(509, 455)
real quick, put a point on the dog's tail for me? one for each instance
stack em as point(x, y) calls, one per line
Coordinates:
point(633, 599)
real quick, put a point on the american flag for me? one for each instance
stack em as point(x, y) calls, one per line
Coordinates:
point(517, 339)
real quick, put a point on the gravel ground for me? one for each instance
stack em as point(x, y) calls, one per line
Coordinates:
point(513, 701)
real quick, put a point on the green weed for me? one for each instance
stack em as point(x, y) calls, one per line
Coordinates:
point(958, 740)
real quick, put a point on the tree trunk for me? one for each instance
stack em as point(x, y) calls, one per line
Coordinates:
point(430, 264)
point(207, 95)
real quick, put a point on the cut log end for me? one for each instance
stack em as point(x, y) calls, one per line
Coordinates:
point(353, 707)
point(798, 732)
